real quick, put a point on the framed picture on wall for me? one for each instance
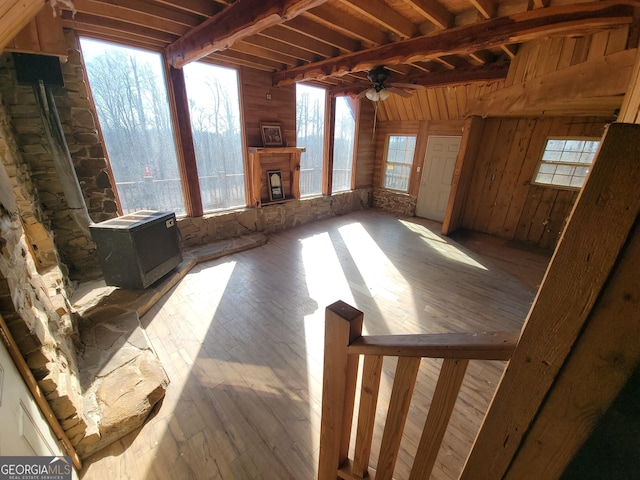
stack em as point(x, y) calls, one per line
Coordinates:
point(271, 135)
point(276, 189)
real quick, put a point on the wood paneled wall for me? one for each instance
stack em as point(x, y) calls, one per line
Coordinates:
point(255, 88)
point(501, 199)
point(42, 35)
point(365, 146)
point(599, 54)
point(564, 76)
point(442, 103)
point(536, 59)
point(14, 15)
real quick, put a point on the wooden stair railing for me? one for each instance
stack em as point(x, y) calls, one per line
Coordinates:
point(344, 344)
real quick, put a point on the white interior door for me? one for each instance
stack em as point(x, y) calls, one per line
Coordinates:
point(437, 172)
point(24, 431)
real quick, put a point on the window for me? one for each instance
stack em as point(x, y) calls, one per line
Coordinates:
point(345, 127)
point(130, 94)
point(214, 108)
point(400, 149)
point(565, 162)
point(310, 106)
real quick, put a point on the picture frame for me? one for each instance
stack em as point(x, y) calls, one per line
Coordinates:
point(271, 135)
point(276, 187)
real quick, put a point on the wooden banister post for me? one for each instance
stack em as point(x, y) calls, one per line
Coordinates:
point(343, 324)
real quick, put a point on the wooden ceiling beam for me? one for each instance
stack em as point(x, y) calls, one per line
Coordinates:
point(324, 34)
point(482, 56)
point(433, 11)
point(237, 21)
point(204, 8)
point(277, 46)
point(299, 40)
point(350, 26)
point(115, 27)
point(233, 60)
point(561, 20)
point(540, 3)
point(266, 53)
point(510, 50)
point(105, 35)
point(120, 10)
point(380, 13)
point(461, 76)
point(250, 60)
point(487, 8)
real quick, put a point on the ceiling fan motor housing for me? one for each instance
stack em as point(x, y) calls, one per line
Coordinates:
point(378, 75)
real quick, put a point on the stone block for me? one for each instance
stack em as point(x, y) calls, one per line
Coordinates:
point(63, 407)
point(126, 398)
point(82, 117)
point(87, 138)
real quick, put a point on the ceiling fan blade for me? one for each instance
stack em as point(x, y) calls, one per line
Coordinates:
point(398, 91)
point(362, 94)
point(407, 85)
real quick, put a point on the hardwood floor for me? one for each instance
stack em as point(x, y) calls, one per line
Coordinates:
point(241, 339)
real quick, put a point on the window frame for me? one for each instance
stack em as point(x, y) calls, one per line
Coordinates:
point(326, 112)
point(542, 162)
point(386, 161)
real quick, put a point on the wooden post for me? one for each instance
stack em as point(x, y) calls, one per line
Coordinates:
point(440, 410)
point(463, 174)
point(329, 131)
point(187, 149)
point(599, 226)
point(601, 362)
point(630, 110)
point(343, 324)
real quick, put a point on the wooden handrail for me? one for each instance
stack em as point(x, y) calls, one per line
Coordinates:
point(470, 346)
point(344, 344)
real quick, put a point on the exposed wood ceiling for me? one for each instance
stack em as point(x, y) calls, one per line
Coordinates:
point(333, 43)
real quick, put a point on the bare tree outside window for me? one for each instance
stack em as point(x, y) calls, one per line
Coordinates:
point(310, 106)
point(130, 94)
point(344, 137)
point(214, 106)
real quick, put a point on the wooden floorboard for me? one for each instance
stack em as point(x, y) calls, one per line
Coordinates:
point(241, 339)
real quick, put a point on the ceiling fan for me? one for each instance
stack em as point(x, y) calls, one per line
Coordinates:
point(381, 90)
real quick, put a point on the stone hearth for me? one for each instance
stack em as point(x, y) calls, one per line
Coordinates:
point(122, 380)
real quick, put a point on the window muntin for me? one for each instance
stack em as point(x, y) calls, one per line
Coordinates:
point(214, 108)
point(566, 162)
point(130, 94)
point(343, 143)
point(399, 160)
point(310, 109)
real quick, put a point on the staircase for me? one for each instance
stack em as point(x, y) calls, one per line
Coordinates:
point(344, 345)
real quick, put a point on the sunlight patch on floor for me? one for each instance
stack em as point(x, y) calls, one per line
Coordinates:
point(326, 281)
point(446, 249)
point(196, 315)
point(382, 279)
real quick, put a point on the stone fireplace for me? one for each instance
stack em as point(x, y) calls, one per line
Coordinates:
point(99, 374)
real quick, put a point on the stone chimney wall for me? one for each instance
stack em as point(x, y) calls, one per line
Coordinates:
point(78, 119)
point(33, 290)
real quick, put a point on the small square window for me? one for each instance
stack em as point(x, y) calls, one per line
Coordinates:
point(565, 162)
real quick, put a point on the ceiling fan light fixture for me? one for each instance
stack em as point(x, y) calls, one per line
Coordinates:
point(373, 95)
point(383, 94)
